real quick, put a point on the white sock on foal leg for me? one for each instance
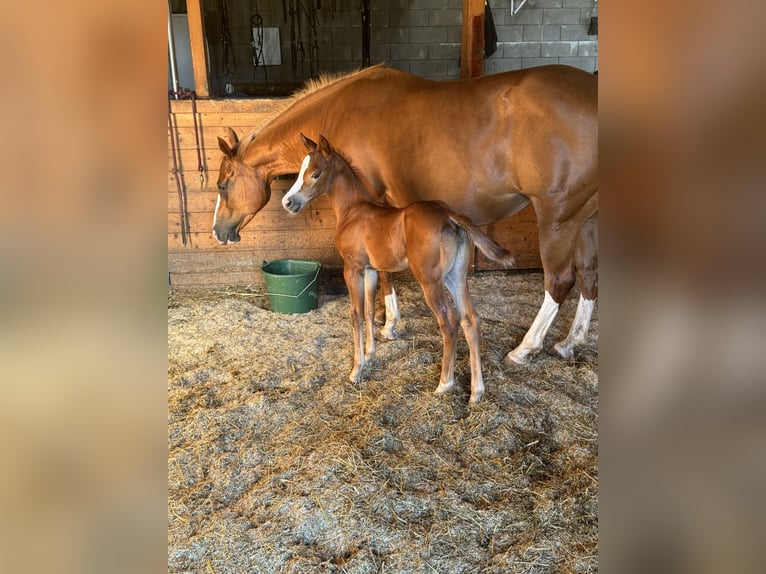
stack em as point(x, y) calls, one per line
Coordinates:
point(392, 317)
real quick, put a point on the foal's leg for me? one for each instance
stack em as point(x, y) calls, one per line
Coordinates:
point(370, 286)
point(586, 268)
point(457, 283)
point(355, 282)
point(438, 300)
point(388, 295)
point(557, 244)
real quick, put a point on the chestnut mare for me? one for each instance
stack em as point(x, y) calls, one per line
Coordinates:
point(371, 237)
point(486, 146)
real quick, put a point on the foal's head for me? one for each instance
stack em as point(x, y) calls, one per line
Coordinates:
point(242, 192)
point(315, 177)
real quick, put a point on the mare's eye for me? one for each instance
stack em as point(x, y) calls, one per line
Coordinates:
point(316, 175)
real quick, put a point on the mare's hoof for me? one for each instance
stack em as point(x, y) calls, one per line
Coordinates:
point(563, 351)
point(387, 335)
point(514, 359)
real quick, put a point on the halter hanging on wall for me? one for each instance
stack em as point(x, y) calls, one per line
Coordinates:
point(256, 36)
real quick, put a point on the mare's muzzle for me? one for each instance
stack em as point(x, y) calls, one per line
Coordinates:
point(226, 236)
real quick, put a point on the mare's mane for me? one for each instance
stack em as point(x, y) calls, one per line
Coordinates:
point(312, 86)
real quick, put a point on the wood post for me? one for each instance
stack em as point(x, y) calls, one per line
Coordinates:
point(198, 52)
point(472, 39)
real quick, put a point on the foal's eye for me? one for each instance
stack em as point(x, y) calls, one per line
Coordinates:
point(316, 175)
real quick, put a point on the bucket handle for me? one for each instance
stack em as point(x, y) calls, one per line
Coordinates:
point(309, 284)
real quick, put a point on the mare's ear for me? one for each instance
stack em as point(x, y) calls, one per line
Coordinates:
point(324, 146)
point(310, 144)
point(224, 147)
point(233, 139)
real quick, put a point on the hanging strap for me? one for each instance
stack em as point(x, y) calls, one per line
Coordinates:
point(179, 186)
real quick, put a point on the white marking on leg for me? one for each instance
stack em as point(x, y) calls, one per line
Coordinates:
point(215, 213)
point(296, 187)
point(579, 329)
point(533, 340)
point(392, 317)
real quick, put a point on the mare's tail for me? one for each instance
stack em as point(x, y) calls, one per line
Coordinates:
point(484, 242)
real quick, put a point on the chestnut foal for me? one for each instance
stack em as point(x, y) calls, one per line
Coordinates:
point(372, 237)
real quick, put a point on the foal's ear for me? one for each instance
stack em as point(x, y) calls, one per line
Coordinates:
point(233, 139)
point(224, 147)
point(324, 146)
point(310, 144)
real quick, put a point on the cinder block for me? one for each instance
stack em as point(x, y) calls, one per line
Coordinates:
point(574, 32)
point(521, 50)
point(551, 33)
point(379, 18)
point(444, 51)
point(558, 49)
point(430, 68)
point(544, 4)
point(526, 16)
point(561, 16)
point(409, 51)
point(532, 62)
point(587, 49)
point(428, 35)
point(445, 17)
point(579, 3)
point(510, 33)
point(390, 36)
point(502, 65)
point(410, 18)
point(427, 4)
point(532, 33)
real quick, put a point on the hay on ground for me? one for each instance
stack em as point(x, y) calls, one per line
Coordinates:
point(277, 463)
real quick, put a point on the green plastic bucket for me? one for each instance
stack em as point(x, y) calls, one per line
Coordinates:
point(291, 284)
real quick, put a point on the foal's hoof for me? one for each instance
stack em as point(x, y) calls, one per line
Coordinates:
point(443, 388)
point(355, 376)
point(474, 400)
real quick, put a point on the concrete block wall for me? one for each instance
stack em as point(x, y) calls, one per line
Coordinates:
point(419, 36)
point(544, 32)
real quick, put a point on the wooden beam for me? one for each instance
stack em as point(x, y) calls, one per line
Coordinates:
point(472, 39)
point(197, 41)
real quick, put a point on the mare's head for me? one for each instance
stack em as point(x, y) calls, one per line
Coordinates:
point(315, 177)
point(242, 192)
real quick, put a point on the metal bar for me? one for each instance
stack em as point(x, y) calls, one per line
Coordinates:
point(172, 52)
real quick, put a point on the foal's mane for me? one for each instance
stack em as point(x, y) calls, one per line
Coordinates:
point(361, 179)
point(312, 86)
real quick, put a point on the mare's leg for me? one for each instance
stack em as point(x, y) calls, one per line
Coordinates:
point(388, 296)
point(355, 282)
point(557, 245)
point(586, 268)
point(457, 283)
point(438, 300)
point(370, 287)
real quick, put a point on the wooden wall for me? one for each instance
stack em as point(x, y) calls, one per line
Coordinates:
point(273, 233)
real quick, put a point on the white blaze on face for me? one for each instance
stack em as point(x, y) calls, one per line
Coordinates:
point(298, 182)
point(215, 213)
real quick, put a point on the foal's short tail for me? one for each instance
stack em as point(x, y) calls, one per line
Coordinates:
point(484, 242)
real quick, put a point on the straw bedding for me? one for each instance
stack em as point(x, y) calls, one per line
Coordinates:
point(277, 463)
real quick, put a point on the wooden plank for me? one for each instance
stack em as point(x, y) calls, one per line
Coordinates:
point(229, 105)
point(197, 41)
point(202, 222)
point(288, 241)
point(231, 260)
point(519, 235)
